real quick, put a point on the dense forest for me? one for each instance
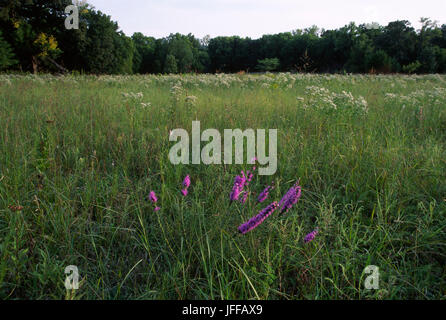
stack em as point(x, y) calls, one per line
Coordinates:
point(33, 38)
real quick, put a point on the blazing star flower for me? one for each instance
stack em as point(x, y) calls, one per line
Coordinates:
point(240, 182)
point(290, 198)
point(152, 197)
point(249, 175)
point(186, 185)
point(254, 222)
point(186, 182)
point(310, 237)
point(265, 193)
point(245, 197)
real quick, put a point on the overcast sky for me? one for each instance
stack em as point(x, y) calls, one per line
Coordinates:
point(253, 18)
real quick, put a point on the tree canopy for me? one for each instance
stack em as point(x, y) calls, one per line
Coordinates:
point(33, 38)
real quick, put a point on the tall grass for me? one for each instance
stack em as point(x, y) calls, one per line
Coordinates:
point(81, 158)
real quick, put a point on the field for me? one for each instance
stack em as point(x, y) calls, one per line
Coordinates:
point(79, 156)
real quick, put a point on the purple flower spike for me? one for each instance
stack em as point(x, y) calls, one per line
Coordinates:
point(254, 222)
point(186, 185)
point(290, 198)
point(186, 182)
point(239, 184)
point(245, 197)
point(264, 195)
point(250, 175)
point(310, 237)
point(152, 197)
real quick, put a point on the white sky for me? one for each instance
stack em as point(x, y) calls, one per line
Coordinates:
point(253, 18)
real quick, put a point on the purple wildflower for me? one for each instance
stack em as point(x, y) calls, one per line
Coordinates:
point(237, 189)
point(290, 198)
point(245, 197)
point(254, 222)
point(240, 182)
point(186, 182)
point(265, 193)
point(186, 185)
point(152, 197)
point(310, 237)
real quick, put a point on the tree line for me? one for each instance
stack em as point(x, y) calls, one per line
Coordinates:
point(33, 38)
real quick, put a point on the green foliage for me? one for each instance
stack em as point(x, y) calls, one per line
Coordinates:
point(428, 58)
point(179, 46)
point(144, 53)
point(170, 65)
point(6, 54)
point(99, 47)
point(379, 61)
point(441, 60)
point(106, 50)
point(33, 29)
point(412, 67)
point(268, 64)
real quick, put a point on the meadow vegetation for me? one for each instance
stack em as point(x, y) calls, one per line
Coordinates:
point(79, 156)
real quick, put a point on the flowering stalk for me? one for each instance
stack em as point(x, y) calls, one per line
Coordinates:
point(310, 237)
point(264, 195)
point(240, 183)
point(186, 185)
point(245, 197)
point(254, 222)
point(290, 198)
point(237, 189)
point(154, 199)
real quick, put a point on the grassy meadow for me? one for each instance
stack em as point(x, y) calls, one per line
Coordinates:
point(79, 156)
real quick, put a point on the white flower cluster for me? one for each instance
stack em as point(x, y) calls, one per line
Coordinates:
point(131, 95)
point(284, 81)
point(419, 98)
point(177, 91)
point(323, 99)
point(145, 104)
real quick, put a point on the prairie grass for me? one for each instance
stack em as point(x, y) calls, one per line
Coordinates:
point(82, 153)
